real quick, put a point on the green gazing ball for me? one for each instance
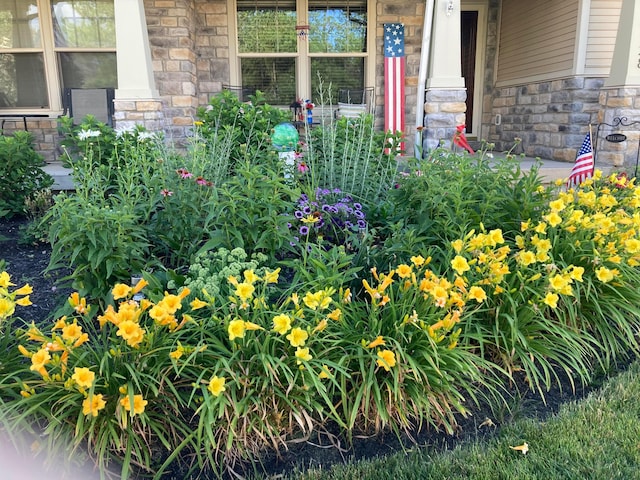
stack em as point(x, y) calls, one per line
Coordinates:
point(285, 137)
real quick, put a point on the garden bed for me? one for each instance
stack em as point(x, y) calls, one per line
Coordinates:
point(291, 306)
point(26, 262)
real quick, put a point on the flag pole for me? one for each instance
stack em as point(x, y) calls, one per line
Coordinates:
point(593, 168)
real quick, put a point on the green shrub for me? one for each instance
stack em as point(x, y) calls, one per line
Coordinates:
point(21, 175)
point(247, 210)
point(441, 198)
point(247, 125)
point(101, 244)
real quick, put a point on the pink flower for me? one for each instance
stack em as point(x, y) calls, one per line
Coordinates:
point(302, 167)
point(201, 181)
point(184, 173)
point(166, 193)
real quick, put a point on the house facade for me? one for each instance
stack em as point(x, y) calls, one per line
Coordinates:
point(538, 70)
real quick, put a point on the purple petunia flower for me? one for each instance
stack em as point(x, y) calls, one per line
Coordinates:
point(304, 230)
point(298, 214)
point(362, 224)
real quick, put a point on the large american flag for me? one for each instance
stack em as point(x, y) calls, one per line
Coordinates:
point(394, 77)
point(583, 166)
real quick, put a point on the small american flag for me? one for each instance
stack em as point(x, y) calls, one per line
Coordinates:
point(583, 167)
point(394, 77)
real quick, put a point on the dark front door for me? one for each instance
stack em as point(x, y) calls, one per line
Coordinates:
point(469, 32)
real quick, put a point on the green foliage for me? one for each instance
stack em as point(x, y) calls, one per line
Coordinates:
point(152, 198)
point(210, 270)
point(21, 175)
point(102, 243)
point(247, 126)
point(441, 198)
point(248, 208)
point(351, 156)
point(90, 134)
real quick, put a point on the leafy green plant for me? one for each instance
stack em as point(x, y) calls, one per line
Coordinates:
point(21, 175)
point(102, 244)
point(210, 270)
point(247, 210)
point(441, 198)
point(89, 134)
point(248, 125)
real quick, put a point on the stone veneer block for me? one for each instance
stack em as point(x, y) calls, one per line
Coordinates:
point(148, 105)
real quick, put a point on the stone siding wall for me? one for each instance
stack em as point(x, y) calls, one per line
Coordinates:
point(172, 30)
point(444, 110)
point(212, 48)
point(550, 117)
point(148, 113)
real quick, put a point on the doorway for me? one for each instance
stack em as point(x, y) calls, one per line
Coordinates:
point(472, 32)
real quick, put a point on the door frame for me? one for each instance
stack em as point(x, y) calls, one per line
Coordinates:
point(482, 7)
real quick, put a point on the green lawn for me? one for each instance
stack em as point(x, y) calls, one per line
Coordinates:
point(596, 438)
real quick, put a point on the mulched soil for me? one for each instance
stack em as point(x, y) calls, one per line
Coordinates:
point(26, 263)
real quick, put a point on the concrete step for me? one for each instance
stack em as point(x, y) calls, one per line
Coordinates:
point(61, 176)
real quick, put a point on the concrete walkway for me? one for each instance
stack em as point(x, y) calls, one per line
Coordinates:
point(550, 172)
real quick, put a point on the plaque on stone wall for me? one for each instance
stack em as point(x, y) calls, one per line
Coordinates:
point(616, 137)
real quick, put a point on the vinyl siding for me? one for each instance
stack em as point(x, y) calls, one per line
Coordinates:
point(603, 27)
point(537, 40)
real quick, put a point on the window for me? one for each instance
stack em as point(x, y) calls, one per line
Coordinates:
point(47, 45)
point(291, 49)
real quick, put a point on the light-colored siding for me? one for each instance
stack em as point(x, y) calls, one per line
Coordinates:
point(603, 27)
point(537, 39)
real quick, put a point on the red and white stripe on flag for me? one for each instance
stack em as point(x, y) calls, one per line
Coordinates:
point(584, 164)
point(394, 78)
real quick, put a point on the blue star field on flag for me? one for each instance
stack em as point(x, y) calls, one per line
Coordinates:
point(393, 40)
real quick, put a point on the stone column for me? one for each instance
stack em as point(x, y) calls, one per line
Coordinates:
point(446, 94)
point(620, 97)
point(445, 67)
point(137, 99)
point(625, 66)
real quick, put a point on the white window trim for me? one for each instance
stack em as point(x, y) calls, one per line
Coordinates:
point(303, 86)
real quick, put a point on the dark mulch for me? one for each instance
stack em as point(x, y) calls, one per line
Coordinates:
point(26, 263)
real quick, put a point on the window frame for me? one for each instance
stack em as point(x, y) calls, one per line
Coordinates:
point(52, 69)
point(302, 56)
